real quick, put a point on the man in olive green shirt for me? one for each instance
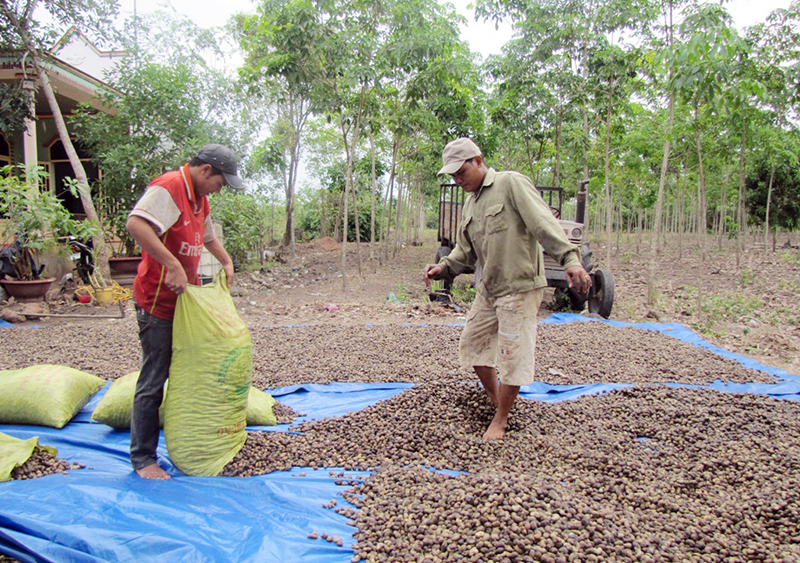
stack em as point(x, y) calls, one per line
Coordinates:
point(504, 225)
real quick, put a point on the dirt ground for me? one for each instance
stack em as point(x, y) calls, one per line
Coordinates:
point(307, 327)
point(751, 309)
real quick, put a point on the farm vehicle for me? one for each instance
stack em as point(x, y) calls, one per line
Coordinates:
point(600, 298)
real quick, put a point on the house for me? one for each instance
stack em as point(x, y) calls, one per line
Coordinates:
point(76, 71)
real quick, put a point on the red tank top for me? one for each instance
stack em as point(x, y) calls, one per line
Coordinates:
point(184, 240)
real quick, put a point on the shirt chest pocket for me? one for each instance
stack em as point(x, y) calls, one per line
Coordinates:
point(495, 219)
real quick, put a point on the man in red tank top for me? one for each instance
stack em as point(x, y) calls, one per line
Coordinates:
point(171, 224)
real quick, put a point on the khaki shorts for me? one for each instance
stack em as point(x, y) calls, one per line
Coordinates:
point(501, 333)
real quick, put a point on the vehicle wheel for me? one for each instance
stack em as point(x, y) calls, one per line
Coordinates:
point(577, 301)
point(586, 256)
point(601, 296)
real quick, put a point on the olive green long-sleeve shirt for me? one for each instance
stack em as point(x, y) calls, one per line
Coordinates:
point(504, 225)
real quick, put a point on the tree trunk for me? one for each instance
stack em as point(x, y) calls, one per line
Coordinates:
point(654, 243)
point(701, 188)
point(288, 235)
point(740, 216)
point(389, 199)
point(372, 198)
point(358, 235)
point(639, 232)
point(766, 212)
point(397, 223)
point(98, 240)
point(680, 206)
point(723, 208)
point(322, 226)
point(607, 171)
point(557, 164)
point(348, 180)
point(337, 224)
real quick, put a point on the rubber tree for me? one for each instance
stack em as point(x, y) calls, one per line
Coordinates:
point(285, 44)
point(777, 49)
point(377, 45)
point(612, 73)
point(561, 37)
point(708, 43)
point(21, 32)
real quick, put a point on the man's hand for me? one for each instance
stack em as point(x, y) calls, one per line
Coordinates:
point(229, 273)
point(432, 272)
point(144, 234)
point(578, 278)
point(176, 280)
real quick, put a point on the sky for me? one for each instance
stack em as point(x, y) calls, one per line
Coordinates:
point(482, 37)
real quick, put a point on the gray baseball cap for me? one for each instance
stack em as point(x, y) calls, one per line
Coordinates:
point(223, 159)
point(456, 153)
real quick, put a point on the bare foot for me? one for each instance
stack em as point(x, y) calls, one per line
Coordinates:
point(496, 430)
point(153, 471)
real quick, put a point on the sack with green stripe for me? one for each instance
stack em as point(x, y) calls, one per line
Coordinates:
point(205, 408)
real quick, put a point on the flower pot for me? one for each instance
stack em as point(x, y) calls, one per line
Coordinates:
point(27, 291)
point(124, 268)
point(104, 295)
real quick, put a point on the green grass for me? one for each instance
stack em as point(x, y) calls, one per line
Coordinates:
point(399, 295)
point(713, 309)
point(463, 292)
point(791, 257)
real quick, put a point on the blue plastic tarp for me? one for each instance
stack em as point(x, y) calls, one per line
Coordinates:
point(108, 514)
point(787, 385)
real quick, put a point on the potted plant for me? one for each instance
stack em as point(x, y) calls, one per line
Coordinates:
point(34, 222)
point(127, 256)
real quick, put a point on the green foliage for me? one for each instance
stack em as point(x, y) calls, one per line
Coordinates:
point(791, 257)
point(14, 108)
point(399, 295)
point(157, 116)
point(463, 292)
point(35, 217)
point(785, 197)
point(710, 310)
point(244, 220)
point(159, 123)
point(22, 28)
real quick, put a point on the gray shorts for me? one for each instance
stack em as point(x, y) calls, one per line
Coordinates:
point(501, 333)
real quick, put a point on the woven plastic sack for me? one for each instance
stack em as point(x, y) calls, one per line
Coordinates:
point(15, 452)
point(205, 409)
point(45, 395)
point(259, 408)
point(116, 406)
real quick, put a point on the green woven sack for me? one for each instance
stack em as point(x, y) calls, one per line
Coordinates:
point(116, 406)
point(259, 408)
point(15, 452)
point(45, 395)
point(212, 365)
